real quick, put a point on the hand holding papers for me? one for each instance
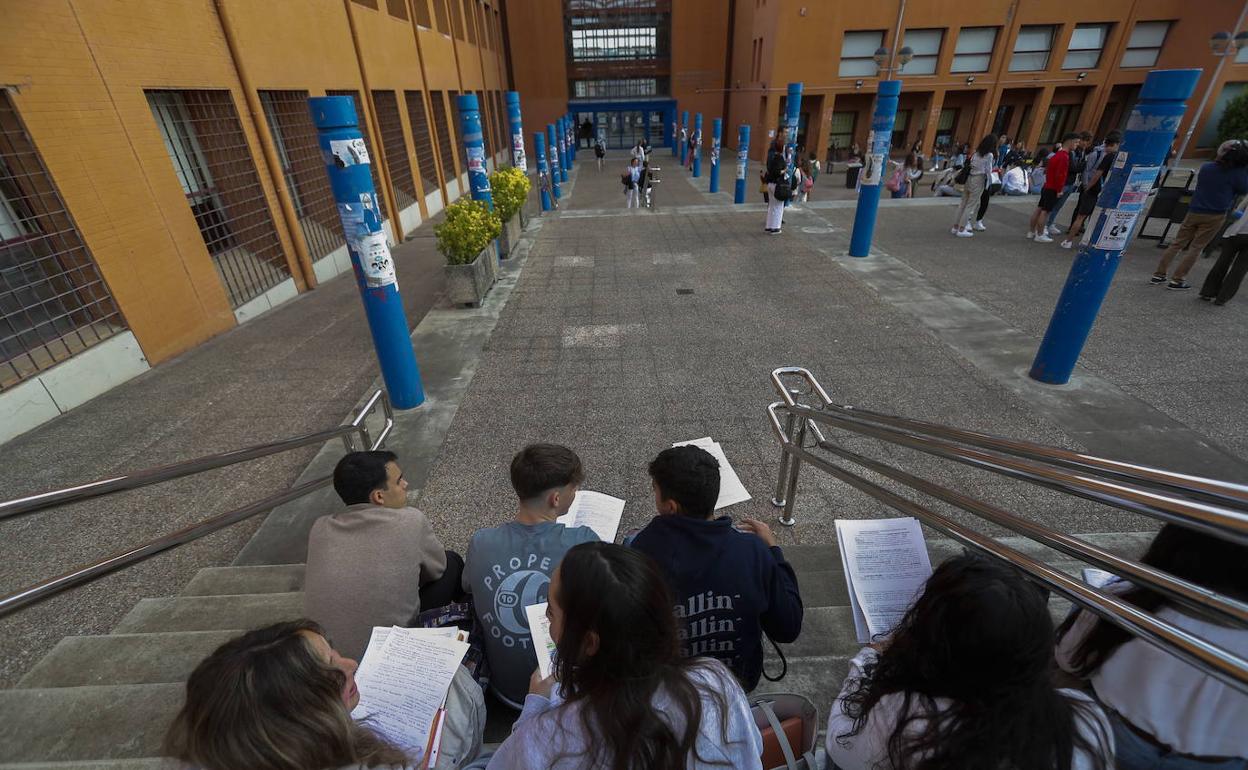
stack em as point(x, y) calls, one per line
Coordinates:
point(543, 645)
point(599, 512)
point(886, 565)
point(731, 490)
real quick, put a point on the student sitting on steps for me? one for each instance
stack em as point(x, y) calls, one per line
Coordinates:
point(509, 566)
point(731, 585)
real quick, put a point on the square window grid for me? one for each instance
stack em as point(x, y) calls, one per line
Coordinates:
point(214, 165)
point(445, 136)
point(973, 52)
point(1086, 44)
point(1031, 48)
point(303, 167)
point(53, 301)
point(390, 127)
point(424, 140)
point(858, 54)
point(368, 144)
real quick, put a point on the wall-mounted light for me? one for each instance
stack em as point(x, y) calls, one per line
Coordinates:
point(970, 79)
point(857, 84)
point(1081, 76)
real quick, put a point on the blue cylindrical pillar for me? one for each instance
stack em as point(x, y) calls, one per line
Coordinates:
point(743, 162)
point(792, 115)
point(543, 173)
point(561, 128)
point(1150, 130)
point(518, 158)
point(717, 129)
point(569, 129)
point(343, 147)
point(552, 138)
point(684, 135)
point(697, 145)
point(675, 136)
point(474, 147)
point(873, 170)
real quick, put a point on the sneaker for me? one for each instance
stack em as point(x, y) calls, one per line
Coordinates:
point(965, 234)
point(776, 231)
point(1042, 238)
point(1178, 286)
point(1029, 235)
point(1067, 244)
point(980, 226)
point(1157, 278)
point(1053, 229)
point(954, 230)
point(1205, 298)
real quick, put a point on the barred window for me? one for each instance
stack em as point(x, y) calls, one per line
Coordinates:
point(439, 10)
point(368, 144)
point(53, 301)
point(391, 129)
point(615, 43)
point(213, 163)
point(424, 137)
point(445, 133)
point(615, 88)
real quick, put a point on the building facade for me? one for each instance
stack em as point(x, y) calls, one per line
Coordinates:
point(1029, 69)
point(160, 179)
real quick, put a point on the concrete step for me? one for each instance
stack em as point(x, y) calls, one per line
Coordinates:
point(818, 678)
point(210, 613)
point(825, 631)
point(822, 588)
point(269, 579)
point(79, 661)
point(78, 724)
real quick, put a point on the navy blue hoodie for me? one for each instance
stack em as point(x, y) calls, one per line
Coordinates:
point(729, 588)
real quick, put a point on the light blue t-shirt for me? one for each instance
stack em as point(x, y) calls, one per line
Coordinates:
point(507, 569)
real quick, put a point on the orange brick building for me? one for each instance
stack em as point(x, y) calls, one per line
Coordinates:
point(160, 178)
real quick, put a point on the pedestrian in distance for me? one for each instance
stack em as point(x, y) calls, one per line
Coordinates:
point(776, 177)
point(974, 178)
point(990, 189)
point(1218, 184)
point(638, 152)
point(600, 153)
point(1074, 172)
point(1038, 170)
point(1004, 148)
point(944, 185)
point(631, 179)
point(1097, 164)
point(808, 178)
point(1054, 182)
point(1228, 272)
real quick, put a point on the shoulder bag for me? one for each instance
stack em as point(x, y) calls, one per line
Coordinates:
point(789, 724)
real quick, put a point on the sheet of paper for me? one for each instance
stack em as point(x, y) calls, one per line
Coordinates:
point(1098, 578)
point(543, 645)
point(599, 512)
point(435, 743)
point(860, 621)
point(886, 567)
point(406, 683)
point(731, 490)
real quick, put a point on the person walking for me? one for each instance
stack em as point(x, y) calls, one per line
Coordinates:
point(1055, 180)
point(1228, 272)
point(991, 188)
point(775, 174)
point(1074, 173)
point(808, 179)
point(600, 152)
point(1218, 184)
point(977, 172)
point(632, 184)
point(638, 153)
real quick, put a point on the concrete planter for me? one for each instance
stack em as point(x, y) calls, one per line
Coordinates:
point(510, 238)
point(468, 284)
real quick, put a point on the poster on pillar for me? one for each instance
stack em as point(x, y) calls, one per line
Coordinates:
point(743, 160)
point(715, 151)
point(518, 158)
point(375, 260)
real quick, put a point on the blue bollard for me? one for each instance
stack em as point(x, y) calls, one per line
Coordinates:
point(717, 129)
point(792, 113)
point(675, 137)
point(743, 162)
point(1150, 130)
point(518, 158)
point(684, 136)
point(553, 140)
point(543, 174)
point(697, 145)
point(347, 165)
point(561, 137)
point(474, 147)
point(569, 135)
point(873, 171)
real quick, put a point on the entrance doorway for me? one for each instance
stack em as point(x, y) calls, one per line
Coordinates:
point(621, 124)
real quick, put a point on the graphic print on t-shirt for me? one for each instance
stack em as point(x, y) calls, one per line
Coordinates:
point(710, 625)
point(514, 585)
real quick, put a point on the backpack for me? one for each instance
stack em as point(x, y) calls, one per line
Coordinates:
point(964, 175)
point(784, 190)
point(894, 180)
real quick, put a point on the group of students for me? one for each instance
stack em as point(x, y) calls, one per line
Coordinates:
point(659, 640)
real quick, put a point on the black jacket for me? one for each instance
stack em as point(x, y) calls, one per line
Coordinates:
point(775, 165)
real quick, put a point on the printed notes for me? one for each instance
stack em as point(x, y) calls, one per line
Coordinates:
point(886, 565)
point(599, 512)
point(543, 645)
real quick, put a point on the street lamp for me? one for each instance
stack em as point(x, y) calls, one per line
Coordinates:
point(1223, 46)
point(882, 58)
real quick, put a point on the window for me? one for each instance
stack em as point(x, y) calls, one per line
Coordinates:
point(901, 125)
point(395, 147)
point(1145, 44)
point(470, 21)
point(1086, 44)
point(1061, 119)
point(439, 10)
point(53, 301)
point(397, 9)
point(615, 89)
point(421, 8)
point(1241, 55)
point(615, 43)
point(926, 46)
point(444, 132)
point(1031, 49)
point(974, 49)
point(841, 134)
point(944, 127)
point(858, 52)
point(424, 137)
point(1209, 134)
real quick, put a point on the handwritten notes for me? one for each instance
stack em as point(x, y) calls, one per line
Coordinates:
point(599, 512)
point(886, 566)
point(731, 490)
point(543, 645)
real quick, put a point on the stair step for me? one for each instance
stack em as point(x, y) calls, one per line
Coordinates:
point(813, 557)
point(76, 724)
point(822, 588)
point(825, 631)
point(818, 678)
point(79, 661)
point(267, 579)
point(209, 613)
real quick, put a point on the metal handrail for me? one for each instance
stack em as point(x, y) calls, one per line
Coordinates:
point(113, 484)
point(47, 588)
point(800, 420)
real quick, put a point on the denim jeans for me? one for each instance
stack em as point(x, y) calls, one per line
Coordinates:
point(1134, 753)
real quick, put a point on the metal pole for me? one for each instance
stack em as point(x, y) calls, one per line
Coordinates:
point(697, 145)
point(783, 478)
point(877, 157)
point(347, 165)
point(684, 136)
point(474, 147)
point(514, 122)
point(543, 175)
point(553, 139)
point(795, 465)
point(743, 162)
point(792, 112)
point(1150, 130)
point(717, 130)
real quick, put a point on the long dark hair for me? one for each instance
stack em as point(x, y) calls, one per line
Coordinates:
point(987, 145)
point(266, 701)
point(619, 595)
point(981, 637)
point(1202, 559)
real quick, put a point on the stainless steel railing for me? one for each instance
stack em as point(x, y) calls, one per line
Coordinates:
point(1217, 507)
point(37, 592)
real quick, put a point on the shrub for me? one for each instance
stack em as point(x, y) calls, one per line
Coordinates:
point(468, 228)
point(510, 186)
point(1234, 121)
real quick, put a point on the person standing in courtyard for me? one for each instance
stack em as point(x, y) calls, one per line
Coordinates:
point(775, 174)
point(1228, 273)
point(1074, 170)
point(1218, 184)
point(600, 152)
point(977, 171)
point(1054, 182)
point(1097, 164)
point(631, 179)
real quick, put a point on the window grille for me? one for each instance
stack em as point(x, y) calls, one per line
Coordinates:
point(457, 17)
point(470, 20)
point(615, 88)
point(303, 168)
point(445, 134)
point(504, 134)
point(424, 139)
point(53, 301)
point(453, 133)
point(483, 109)
point(422, 13)
point(368, 144)
point(439, 10)
point(214, 165)
point(391, 129)
point(397, 9)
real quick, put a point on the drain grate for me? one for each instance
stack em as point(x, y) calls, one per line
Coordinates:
point(684, 291)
